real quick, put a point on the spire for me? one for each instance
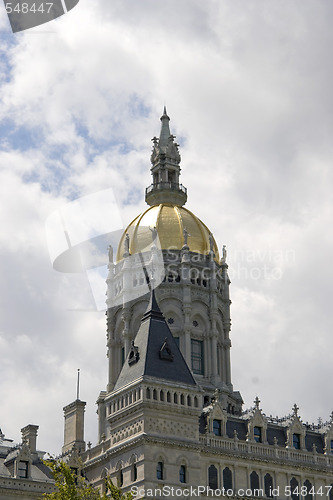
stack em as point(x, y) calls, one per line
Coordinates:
point(154, 352)
point(165, 130)
point(165, 169)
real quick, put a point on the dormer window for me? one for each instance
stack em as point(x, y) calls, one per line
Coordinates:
point(257, 434)
point(23, 469)
point(297, 441)
point(217, 427)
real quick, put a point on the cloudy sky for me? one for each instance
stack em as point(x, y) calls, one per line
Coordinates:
point(248, 87)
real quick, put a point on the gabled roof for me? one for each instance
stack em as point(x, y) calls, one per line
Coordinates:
point(154, 352)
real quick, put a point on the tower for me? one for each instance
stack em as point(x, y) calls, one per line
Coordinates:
point(193, 291)
point(169, 416)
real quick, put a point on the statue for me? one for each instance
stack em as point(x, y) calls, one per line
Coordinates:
point(211, 242)
point(153, 233)
point(127, 243)
point(186, 235)
point(110, 249)
point(224, 254)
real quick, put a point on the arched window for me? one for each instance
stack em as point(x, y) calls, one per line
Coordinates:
point(120, 478)
point(148, 393)
point(254, 483)
point(268, 483)
point(175, 398)
point(197, 356)
point(134, 472)
point(294, 486)
point(155, 394)
point(182, 474)
point(212, 477)
point(297, 441)
point(227, 479)
point(160, 470)
point(308, 490)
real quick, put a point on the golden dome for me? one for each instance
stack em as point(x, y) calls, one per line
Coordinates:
point(170, 222)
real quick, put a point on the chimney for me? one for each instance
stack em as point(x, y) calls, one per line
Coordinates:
point(29, 435)
point(74, 426)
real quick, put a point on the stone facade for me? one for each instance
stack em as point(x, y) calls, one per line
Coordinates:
point(156, 432)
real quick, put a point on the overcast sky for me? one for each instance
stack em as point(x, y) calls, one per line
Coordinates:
point(248, 87)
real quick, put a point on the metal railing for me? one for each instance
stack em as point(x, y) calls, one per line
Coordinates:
point(173, 186)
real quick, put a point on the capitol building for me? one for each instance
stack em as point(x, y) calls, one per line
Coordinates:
point(170, 422)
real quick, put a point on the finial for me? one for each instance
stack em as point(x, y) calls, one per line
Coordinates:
point(295, 408)
point(256, 402)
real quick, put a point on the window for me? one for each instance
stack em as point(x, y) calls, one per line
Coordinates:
point(23, 469)
point(268, 482)
point(257, 434)
point(159, 470)
point(212, 477)
point(227, 479)
point(182, 474)
point(217, 428)
point(308, 490)
point(297, 441)
point(331, 445)
point(294, 489)
point(254, 483)
point(120, 478)
point(134, 473)
point(197, 356)
point(331, 492)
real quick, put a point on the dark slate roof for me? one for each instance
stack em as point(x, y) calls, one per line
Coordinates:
point(278, 432)
point(314, 438)
point(153, 359)
point(239, 425)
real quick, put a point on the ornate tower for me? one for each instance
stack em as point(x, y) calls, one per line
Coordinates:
point(193, 282)
point(169, 415)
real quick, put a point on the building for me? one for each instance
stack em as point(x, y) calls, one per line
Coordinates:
point(23, 474)
point(169, 417)
point(170, 423)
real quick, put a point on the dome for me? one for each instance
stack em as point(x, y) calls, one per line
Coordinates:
point(170, 222)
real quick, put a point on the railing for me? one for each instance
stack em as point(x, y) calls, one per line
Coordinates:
point(174, 186)
point(265, 450)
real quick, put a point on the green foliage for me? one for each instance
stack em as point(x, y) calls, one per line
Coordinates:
point(74, 487)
